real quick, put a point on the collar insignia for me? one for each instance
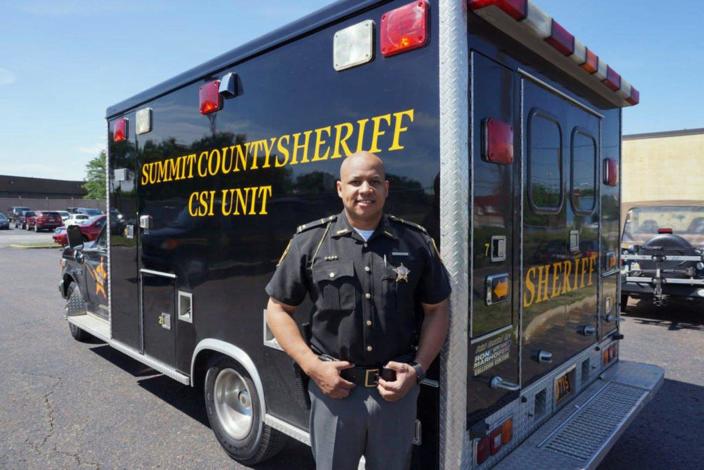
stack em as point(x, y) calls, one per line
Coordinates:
point(402, 273)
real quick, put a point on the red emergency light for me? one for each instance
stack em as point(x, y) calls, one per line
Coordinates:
point(610, 172)
point(665, 230)
point(613, 80)
point(209, 97)
point(517, 9)
point(119, 130)
point(560, 39)
point(404, 28)
point(498, 142)
point(634, 99)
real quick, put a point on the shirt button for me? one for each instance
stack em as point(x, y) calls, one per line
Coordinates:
point(369, 348)
point(369, 323)
point(367, 268)
point(368, 295)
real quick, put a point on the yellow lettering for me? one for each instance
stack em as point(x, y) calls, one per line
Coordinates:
point(225, 170)
point(241, 202)
point(582, 270)
point(398, 128)
point(360, 136)
point(264, 193)
point(297, 146)
point(592, 262)
point(283, 151)
point(145, 175)
point(566, 287)
point(191, 161)
point(267, 151)
point(213, 169)
point(224, 202)
point(556, 268)
point(319, 142)
point(543, 277)
point(530, 287)
point(377, 132)
point(242, 151)
point(191, 209)
point(172, 169)
point(342, 141)
point(201, 169)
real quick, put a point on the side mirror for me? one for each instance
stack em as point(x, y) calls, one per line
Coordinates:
point(75, 237)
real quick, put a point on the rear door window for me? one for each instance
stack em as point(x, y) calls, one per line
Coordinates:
point(544, 162)
point(583, 171)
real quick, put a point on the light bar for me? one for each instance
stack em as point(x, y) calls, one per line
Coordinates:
point(525, 22)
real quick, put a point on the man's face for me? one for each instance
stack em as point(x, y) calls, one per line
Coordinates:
point(363, 189)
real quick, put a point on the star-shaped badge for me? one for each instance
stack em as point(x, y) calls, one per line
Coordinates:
point(402, 273)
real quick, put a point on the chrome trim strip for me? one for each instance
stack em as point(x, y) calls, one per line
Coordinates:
point(152, 362)
point(650, 280)
point(519, 336)
point(290, 430)
point(239, 355)
point(453, 84)
point(107, 230)
point(663, 258)
point(558, 92)
point(492, 333)
point(157, 273)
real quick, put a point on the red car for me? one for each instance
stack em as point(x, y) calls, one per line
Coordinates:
point(44, 220)
point(90, 230)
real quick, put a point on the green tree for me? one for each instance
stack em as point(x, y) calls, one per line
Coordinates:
point(95, 177)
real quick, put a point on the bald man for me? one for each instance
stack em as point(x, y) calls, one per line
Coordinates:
point(371, 277)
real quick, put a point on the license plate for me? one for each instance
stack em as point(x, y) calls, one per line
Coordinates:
point(564, 386)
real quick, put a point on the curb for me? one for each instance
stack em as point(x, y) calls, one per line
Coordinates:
point(30, 247)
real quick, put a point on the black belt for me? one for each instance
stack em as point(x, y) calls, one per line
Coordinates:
point(368, 376)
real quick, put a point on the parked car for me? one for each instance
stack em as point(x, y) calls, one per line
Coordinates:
point(88, 211)
point(60, 236)
point(65, 215)
point(663, 252)
point(44, 220)
point(16, 212)
point(21, 221)
point(4, 222)
point(76, 219)
point(91, 228)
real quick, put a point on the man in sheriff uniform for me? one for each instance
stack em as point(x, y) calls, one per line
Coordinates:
point(368, 274)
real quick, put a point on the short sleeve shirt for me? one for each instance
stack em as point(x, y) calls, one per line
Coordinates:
point(367, 295)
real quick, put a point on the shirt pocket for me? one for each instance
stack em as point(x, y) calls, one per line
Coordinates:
point(397, 290)
point(336, 286)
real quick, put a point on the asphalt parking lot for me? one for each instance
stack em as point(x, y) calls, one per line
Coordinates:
point(65, 404)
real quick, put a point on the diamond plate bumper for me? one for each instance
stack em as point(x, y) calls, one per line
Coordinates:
point(583, 432)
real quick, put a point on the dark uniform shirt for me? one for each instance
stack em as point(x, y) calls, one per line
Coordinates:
point(366, 294)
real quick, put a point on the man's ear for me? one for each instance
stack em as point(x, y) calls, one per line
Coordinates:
point(338, 184)
point(386, 187)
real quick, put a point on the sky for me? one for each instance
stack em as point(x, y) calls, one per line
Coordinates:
point(63, 62)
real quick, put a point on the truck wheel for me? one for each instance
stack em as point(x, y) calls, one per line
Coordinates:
point(624, 303)
point(75, 302)
point(234, 410)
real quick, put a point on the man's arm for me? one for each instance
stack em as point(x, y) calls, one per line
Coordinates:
point(432, 336)
point(325, 374)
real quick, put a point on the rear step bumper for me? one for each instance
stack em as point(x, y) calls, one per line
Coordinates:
point(582, 433)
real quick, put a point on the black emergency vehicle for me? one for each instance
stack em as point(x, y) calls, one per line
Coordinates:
point(501, 135)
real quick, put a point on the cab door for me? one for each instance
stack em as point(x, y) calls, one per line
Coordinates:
point(493, 365)
point(96, 278)
point(560, 266)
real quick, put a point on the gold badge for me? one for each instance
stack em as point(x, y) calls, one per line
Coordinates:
point(402, 273)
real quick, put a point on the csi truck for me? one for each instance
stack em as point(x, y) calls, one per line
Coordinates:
point(501, 135)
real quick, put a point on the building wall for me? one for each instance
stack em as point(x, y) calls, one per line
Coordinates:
point(48, 204)
point(663, 166)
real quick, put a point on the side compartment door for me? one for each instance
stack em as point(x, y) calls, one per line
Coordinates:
point(96, 263)
point(493, 365)
point(560, 231)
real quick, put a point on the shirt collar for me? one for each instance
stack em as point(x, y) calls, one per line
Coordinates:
point(342, 228)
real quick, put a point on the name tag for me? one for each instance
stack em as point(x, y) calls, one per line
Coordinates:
point(399, 253)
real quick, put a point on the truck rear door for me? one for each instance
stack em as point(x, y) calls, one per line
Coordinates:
point(560, 265)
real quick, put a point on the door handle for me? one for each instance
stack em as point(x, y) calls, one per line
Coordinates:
point(588, 330)
point(498, 382)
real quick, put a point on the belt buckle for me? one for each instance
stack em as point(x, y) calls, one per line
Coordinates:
point(375, 377)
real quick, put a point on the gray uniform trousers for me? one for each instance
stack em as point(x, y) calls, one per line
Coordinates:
point(342, 430)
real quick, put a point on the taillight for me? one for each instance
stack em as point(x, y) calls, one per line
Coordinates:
point(498, 141)
point(609, 353)
point(119, 131)
point(209, 97)
point(404, 29)
point(664, 230)
point(610, 172)
point(483, 450)
point(494, 442)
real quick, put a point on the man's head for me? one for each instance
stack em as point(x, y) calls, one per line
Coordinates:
point(363, 189)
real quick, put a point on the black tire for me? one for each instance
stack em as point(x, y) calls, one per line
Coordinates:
point(238, 424)
point(624, 302)
point(74, 300)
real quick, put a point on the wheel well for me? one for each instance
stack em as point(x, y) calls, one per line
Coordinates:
point(68, 280)
point(200, 367)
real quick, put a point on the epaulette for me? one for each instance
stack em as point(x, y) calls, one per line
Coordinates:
point(316, 223)
point(410, 224)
